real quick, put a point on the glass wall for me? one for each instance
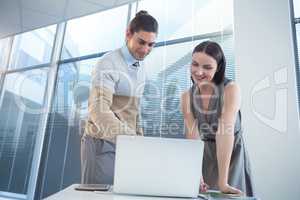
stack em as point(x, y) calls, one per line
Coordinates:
point(297, 8)
point(298, 40)
point(177, 21)
point(297, 45)
point(32, 48)
point(4, 46)
point(66, 126)
point(95, 33)
point(168, 65)
point(21, 110)
point(167, 80)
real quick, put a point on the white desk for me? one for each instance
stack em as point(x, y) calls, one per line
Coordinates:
point(71, 194)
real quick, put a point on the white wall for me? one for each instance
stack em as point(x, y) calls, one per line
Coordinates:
point(266, 73)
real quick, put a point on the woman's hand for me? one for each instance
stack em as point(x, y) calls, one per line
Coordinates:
point(203, 186)
point(194, 136)
point(227, 189)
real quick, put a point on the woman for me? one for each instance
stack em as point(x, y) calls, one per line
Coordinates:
point(211, 112)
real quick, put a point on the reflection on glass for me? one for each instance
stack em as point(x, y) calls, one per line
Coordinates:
point(169, 76)
point(73, 88)
point(32, 48)
point(3, 52)
point(69, 111)
point(95, 33)
point(21, 109)
point(297, 8)
point(192, 17)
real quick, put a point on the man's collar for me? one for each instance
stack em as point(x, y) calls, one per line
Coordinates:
point(129, 59)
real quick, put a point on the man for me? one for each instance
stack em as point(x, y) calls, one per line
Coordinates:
point(117, 83)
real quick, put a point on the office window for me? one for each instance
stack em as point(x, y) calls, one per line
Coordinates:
point(168, 69)
point(297, 8)
point(298, 63)
point(168, 77)
point(73, 87)
point(95, 33)
point(193, 17)
point(297, 29)
point(69, 112)
point(32, 48)
point(21, 110)
point(298, 40)
point(168, 65)
point(3, 52)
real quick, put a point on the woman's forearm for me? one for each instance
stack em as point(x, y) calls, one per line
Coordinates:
point(224, 145)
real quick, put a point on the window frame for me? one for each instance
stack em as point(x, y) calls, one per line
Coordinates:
point(294, 22)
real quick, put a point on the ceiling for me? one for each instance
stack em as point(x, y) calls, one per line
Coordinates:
point(17, 16)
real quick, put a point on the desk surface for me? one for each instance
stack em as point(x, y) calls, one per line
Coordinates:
point(71, 194)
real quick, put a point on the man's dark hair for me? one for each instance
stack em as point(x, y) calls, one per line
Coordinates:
point(143, 21)
point(214, 50)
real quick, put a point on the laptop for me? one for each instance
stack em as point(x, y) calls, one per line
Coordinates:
point(153, 166)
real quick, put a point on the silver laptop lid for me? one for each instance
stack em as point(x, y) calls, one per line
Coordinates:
point(158, 166)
